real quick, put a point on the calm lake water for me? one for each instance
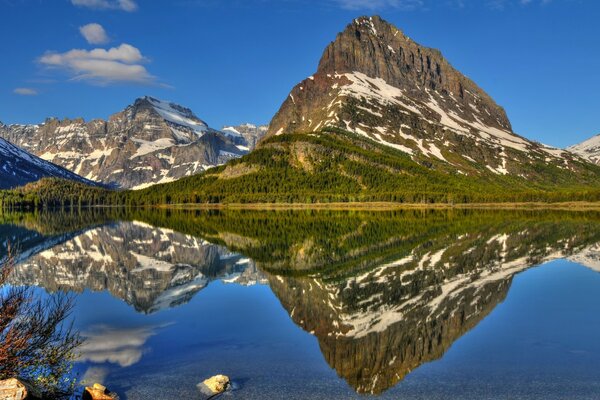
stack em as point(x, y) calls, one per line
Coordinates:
point(325, 305)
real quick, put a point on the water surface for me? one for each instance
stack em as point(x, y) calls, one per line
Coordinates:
point(320, 304)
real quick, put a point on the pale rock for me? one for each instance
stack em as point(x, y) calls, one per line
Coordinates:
point(98, 392)
point(216, 384)
point(16, 389)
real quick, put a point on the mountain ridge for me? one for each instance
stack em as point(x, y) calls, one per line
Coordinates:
point(18, 167)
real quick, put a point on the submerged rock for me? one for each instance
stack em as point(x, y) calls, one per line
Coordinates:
point(215, 384)
point(98, 392)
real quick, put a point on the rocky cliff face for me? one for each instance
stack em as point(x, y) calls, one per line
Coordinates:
point(375, 81)
point(18, 167)
point(151, 141)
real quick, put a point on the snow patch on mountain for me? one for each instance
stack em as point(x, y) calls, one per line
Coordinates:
point(588, 149)
point(178, 115)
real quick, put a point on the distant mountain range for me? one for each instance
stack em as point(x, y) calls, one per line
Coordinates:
point(151, 141)
point(18, 167)
point(588, 149)
point(249, 133)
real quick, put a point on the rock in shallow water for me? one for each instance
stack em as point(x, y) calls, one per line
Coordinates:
point(98, 392)
point(15, 389)
point(215, 384)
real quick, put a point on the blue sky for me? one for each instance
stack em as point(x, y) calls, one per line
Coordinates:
point(235, 61)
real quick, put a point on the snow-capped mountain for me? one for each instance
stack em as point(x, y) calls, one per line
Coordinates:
point(247, 134)
point(375, 81)
point(18, 167)
point(151, 141)
point(588, 149)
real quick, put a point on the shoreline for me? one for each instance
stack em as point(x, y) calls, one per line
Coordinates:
point(381, 206)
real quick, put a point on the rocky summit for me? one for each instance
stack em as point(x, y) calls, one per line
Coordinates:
point(150, 141)
point(375, 81)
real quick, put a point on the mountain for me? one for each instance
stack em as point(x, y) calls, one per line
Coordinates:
point(18, 167)
point(375, 81)
point(386, 119)
point(247, 134)
point(151, 141)
point(588, 149)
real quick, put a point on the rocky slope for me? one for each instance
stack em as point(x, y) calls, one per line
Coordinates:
point(151, 141)
point(375, 81)
point(588, 149)
point(18, 167)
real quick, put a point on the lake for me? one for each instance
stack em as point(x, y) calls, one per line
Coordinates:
point(414, 304)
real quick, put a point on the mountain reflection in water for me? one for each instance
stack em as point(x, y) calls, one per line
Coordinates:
point(383, 292)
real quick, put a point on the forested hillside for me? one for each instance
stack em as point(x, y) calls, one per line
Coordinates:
point(321, 167)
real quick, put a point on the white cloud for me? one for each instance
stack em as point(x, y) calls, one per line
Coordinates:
point(124, 5)
point(94, 33)
point(25, 91)
point(121, 64)
point(380, 4)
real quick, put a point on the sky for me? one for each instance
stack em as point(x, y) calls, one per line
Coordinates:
point(235, 61)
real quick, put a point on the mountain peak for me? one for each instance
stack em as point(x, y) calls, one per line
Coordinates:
point(378, 49)
point(172, 113)
point(375, 81)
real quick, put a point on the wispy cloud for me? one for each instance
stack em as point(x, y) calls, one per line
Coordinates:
point(380, 4)
point(121, 64)
point(94, 33)
point(25, 91)
point(124, 5)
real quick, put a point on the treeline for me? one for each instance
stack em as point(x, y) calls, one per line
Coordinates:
point(56, 193)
